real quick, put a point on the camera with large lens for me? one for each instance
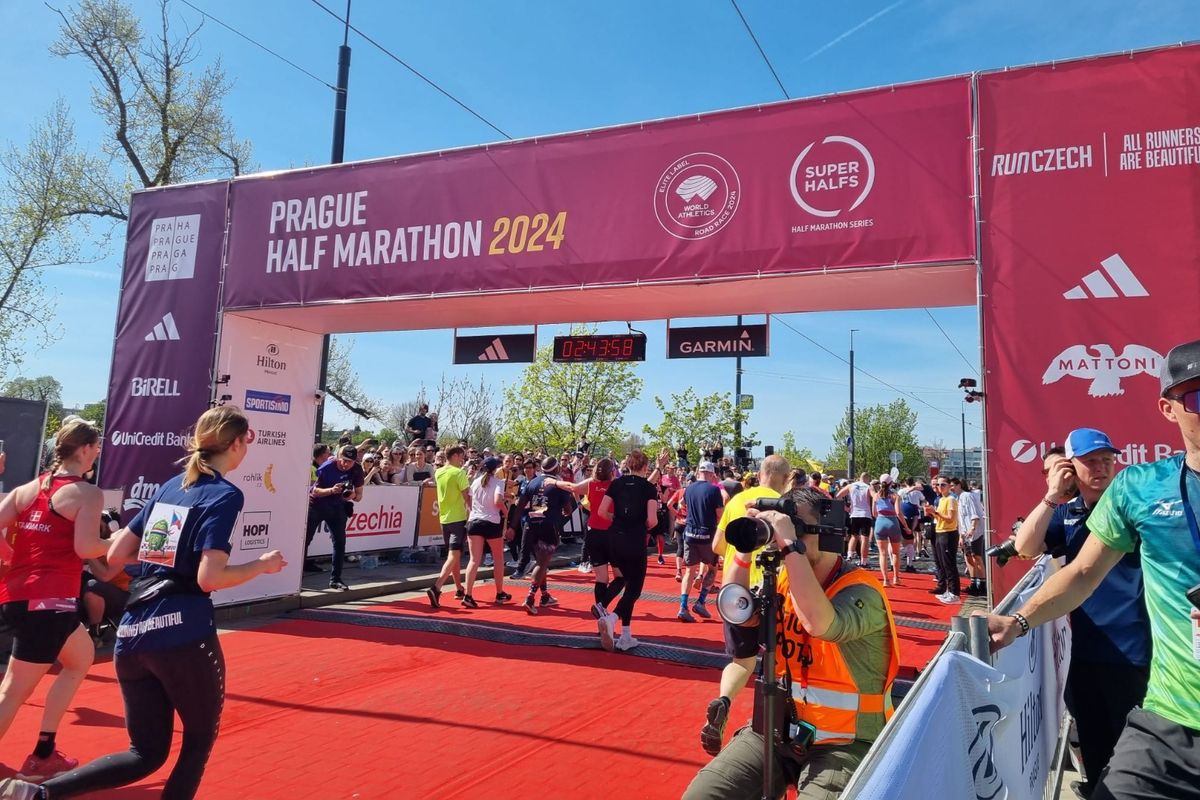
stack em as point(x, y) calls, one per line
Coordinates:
point(747, 534)
point(1003, 551)
point(347, 488)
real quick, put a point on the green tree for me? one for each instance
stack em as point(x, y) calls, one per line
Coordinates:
point(878, 430)
point(95, 412)
point(554, 405)
point(695, 422)
point(797, 457)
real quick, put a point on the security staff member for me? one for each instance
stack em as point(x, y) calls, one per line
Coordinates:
point(838, 645)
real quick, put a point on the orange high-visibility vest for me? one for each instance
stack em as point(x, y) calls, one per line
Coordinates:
point(824, 691)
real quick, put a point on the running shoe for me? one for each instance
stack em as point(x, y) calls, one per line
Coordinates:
point(626, 642)
point(700, 610)
point(469, 601)
point(662, 560)
point(949, 599)
point(548, 600)
point(510, 564)
point(713, 732)
point(13, 789)
point(36, 770)
point(910, 568)
point(434, 596)
point(503, 597)
point(530, 608)
point(685, 616)
point(459, 594)
point(585, 567)
point(598, 611)
point(607, 626)
point(339, 586)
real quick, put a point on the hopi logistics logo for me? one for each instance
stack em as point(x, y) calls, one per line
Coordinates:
point(256, 530)
point(172, 254)
point(268, 402)
point(697, 196)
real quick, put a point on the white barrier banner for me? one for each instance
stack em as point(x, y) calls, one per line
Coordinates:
point(385, 519)
point(990, 731)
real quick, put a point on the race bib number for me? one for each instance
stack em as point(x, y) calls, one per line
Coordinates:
point(160, 539)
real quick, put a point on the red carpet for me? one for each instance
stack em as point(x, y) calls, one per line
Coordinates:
point(319, 710)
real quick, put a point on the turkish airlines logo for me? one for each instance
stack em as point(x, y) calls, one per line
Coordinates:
point(832, 176)
point(494, 352)
point(697, 196)
point(1100, 365)
point(1115, 279)
point(164, 331)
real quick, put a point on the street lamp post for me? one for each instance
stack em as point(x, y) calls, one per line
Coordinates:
point(850, 444)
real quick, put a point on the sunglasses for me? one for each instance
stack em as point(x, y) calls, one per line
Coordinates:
point(1190, 400)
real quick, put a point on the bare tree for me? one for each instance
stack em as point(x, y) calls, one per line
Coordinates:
point(342, 383)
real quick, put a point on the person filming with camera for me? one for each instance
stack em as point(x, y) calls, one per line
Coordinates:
point(836, 648)
point(339, 486)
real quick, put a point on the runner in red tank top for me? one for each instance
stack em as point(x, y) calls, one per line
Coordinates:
point(53, 524)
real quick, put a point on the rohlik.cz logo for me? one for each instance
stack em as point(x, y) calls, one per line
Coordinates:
point(1121, 282)
point(139, 494)
point(1100, 365)
point(269, 402)
point(172, 253)
point(139, 439)
point(836, 177)
point(270, 362)
point(164, 331)
point(697, 196)
point(153, 387)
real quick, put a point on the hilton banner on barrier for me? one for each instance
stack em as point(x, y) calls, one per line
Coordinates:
point(1091, 256)
point(166, 324)
point(867, 178)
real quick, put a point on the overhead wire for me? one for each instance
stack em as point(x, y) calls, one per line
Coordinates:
point(910, 395)
point(412, 69)
point(951, 341)
point(761, 52)
point(257, 44)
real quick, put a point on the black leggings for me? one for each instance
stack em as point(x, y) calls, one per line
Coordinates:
point(188, 680)
point(628, 555)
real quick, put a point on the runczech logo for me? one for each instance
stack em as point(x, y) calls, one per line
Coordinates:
point(988, 783)
point(697, 196)
point(835, 177)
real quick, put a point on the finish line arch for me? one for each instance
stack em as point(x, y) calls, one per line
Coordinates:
point(1063, 199)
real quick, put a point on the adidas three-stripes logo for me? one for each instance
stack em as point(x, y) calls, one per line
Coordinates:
point(1120, 282)
point(494, 352)
point(164, 331)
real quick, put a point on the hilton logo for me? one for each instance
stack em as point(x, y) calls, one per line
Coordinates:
point(269, 361)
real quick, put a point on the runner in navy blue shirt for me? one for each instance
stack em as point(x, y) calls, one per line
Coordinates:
point(168, 659)
point(704, 502)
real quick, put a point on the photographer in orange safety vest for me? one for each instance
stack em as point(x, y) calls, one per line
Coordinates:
point(837, 649)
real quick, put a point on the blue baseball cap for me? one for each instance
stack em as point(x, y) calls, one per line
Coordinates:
point(1082, 441)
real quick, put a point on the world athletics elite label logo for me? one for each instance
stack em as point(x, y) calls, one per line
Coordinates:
point(697, 196)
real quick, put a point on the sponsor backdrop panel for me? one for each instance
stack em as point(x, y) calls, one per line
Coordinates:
point(1091, 257)
point(385, 519)
point(874, 177)
point(22, 429)
point(272, 376)
point(166, 331)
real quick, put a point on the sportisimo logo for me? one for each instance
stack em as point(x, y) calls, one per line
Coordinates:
point(139, 439)
point(172, 253)
point(1121, 282)
point(837, 177)
point(269, 402)
point(697, 196)
point(1102, 367)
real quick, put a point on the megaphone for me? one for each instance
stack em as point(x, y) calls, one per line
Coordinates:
point(735, 603)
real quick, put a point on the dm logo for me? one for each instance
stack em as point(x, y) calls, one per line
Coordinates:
point(988, 782)
point(832, 176)
point(697, 196)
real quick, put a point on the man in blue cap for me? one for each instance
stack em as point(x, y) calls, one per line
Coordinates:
point(1110, 632)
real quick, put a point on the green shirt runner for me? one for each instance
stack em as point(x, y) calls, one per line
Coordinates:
point(451, 483)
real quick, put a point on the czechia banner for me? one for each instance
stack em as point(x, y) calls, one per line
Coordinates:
point(1091, 257)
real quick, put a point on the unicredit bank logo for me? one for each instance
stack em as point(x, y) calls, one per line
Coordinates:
point(697, 196)
point(140, 439)
point(172, 254)
point(153, 387)
point(832, 176)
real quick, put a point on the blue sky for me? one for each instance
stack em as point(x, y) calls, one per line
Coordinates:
point(542, 67)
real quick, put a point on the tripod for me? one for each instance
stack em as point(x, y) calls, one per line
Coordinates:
point(767, 686)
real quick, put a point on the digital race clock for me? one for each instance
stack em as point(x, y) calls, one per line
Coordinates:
point(614, 347)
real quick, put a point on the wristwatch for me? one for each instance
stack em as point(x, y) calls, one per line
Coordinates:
point(794, 547)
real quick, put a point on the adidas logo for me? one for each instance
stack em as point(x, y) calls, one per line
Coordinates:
point(494, 352)
point(164, 331)
point(1096, 285)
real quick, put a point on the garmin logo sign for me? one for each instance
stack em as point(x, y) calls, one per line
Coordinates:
point(718, 341)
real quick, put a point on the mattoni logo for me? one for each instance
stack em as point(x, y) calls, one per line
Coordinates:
point(256, 529)
point(841, 169)
point(172, 253)
point(988, 781)
point(139, 494)
point(1102, 367)
point(494, 352)
point(697, 196)
point(1121, 282)
point(270, 361)
point(164, 331)
point(153, 387)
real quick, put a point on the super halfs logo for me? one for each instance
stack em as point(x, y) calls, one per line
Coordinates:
point(172, 252)
point(832, 177)
point(697, 196)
